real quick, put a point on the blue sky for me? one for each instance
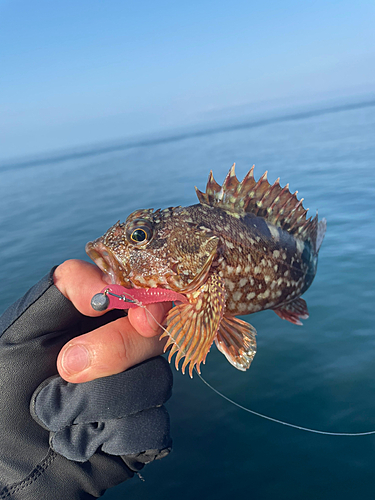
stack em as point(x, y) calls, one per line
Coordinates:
point(87, 71)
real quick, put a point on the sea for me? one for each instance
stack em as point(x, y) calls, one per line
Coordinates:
point(320, 375)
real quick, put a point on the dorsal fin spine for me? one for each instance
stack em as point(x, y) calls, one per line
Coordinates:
point(275, 203)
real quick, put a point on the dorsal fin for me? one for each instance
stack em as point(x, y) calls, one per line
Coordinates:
point(274, 203)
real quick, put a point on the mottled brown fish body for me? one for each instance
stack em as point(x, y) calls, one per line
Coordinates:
point(244, 248)
point(263, 266)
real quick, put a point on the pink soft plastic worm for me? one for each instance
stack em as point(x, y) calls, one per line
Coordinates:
point(134, 297)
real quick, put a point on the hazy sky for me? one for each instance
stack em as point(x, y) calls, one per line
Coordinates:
point(80, 71)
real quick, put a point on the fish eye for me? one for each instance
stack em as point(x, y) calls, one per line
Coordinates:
point(138, 235)
point(139, 232)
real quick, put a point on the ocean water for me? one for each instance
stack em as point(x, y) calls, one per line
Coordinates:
point(320, 375)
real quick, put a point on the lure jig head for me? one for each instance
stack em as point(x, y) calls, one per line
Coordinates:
point(119, 297)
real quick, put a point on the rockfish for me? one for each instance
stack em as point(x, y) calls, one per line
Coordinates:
point(245, 247)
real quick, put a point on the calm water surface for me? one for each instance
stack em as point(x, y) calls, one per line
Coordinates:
point(321, 375)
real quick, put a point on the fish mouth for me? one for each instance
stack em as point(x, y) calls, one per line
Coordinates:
point(113, 271)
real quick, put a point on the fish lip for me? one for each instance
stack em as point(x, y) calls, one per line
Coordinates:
point(106, 262)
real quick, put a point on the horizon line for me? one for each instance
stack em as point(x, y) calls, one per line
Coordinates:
point(84, 152)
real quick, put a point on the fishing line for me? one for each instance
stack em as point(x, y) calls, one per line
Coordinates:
point(275, 420)
point(261, 415)
point(241, 407)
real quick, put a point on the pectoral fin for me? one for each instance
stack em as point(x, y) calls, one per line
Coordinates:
point(294, 311)
point(192, 327)
point(236, 340)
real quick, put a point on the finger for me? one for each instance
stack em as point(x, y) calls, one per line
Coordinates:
point(79, 281)
point(148, 320)
point(110, 349)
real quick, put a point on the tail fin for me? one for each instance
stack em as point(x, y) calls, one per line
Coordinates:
point(322, 227)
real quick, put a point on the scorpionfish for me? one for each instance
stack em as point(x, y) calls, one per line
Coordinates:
point(245, 247)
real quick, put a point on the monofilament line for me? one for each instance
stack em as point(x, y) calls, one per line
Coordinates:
point(275, 420)
point(261, 415)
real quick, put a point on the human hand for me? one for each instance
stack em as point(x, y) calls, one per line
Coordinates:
point(113, 347)
point(52, 428)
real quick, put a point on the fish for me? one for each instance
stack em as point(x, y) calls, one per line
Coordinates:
point(245, 247)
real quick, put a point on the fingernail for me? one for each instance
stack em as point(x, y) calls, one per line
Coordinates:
point(75, 359)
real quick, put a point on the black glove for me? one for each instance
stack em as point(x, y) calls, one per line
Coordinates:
point(78, 439)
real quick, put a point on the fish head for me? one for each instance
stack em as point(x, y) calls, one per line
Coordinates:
point(162, 248)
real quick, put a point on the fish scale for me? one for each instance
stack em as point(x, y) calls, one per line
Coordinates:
point(245, 247)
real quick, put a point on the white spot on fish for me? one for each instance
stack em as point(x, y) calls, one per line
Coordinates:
point(300, 245)
point(250, 295)
point(276, 254)
point(243, 282)
point(237, 296)
point(274, 232)
point(268, 305)
point(230, 285)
